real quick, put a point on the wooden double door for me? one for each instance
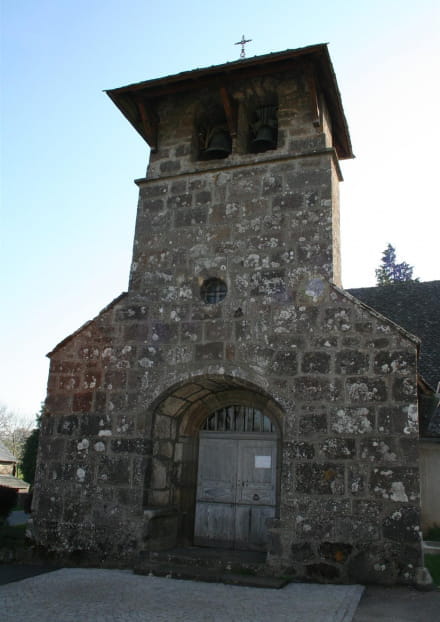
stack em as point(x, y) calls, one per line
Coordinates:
point(236, 490)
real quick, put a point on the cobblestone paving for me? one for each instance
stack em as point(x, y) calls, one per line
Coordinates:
point(83, 595)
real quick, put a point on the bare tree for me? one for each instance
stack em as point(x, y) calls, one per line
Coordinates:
point(14, 430)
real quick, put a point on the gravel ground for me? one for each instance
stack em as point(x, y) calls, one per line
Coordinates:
point(82, 595)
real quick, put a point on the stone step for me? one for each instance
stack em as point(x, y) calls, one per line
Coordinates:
point(206, 564)
point(250, 561)
point(210, 575)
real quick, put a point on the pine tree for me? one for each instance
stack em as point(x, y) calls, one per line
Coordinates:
point(28, 461)
point(391, 272)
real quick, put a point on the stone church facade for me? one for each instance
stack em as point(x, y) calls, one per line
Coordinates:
point(236, 396)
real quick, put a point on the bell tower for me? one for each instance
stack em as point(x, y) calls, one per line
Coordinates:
point(243, 178)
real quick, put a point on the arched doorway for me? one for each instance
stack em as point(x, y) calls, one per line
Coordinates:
point(236, 478)
point(179, 418)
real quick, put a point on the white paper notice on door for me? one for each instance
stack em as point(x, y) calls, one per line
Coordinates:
point(263, 462)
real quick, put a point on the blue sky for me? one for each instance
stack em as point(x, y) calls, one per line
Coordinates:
point(68, 157)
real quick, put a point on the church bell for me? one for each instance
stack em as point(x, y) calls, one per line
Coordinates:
point(219, 144)
point(266, 138)
point(265, 129)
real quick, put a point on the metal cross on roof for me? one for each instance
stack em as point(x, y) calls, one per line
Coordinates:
point(242, 43)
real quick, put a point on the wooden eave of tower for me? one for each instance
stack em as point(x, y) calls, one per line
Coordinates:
point(137, 102)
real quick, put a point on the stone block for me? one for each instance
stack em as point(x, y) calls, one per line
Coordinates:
point(399, 419)
point(314, 528)
point(401, 363)
point(202, 311)
point(159, 475)
point(268, 283)
point(351, 362)
point(302, 552)
point(316, 363)
point(139, 446)
point(365, 389)
point(352, 421)
point(186, 217)
point(114, 471)
point(58, 404)
point(289, 200)
point(399, 484)
point(351, 342)
point(52, 449)
point(203, 197)
point(356, 530)
point(365, 327)
point(217, 330)
point(298, 450)
point(179, 187)
point(82, 402)
point(117, 401)
point(272, 183)
point(320, 479)
point(132, 312)
point(369, 509)
point(209, 351)
point(357, 478)
point(65, 367)
point(191, 332)
point(378, 450)
point(68, 425)
point(380, 343)
point(170, 167)
point(405, 389)
point(338, 448)
point(285, 362)
point(115, 380)
point(164, 333)
point(402, 525)
point(310, 388)
point(409, 450)
point(337, 319)
point(47, 424)
point(162, 424)
point(313, 424)
point(68, 382)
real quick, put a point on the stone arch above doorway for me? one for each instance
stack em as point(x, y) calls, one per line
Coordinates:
point(191, 402)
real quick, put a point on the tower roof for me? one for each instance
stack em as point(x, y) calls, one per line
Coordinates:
point(315, 57)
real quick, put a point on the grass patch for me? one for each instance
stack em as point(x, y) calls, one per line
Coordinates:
point(433, 533)
point(432, 562)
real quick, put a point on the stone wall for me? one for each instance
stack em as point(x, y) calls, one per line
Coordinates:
point(340, 382)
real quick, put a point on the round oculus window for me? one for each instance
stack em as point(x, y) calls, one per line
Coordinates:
point(213, 291)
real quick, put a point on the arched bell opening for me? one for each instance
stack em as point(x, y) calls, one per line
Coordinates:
point(180, 434)
point(213, 139)
point(263, 123)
